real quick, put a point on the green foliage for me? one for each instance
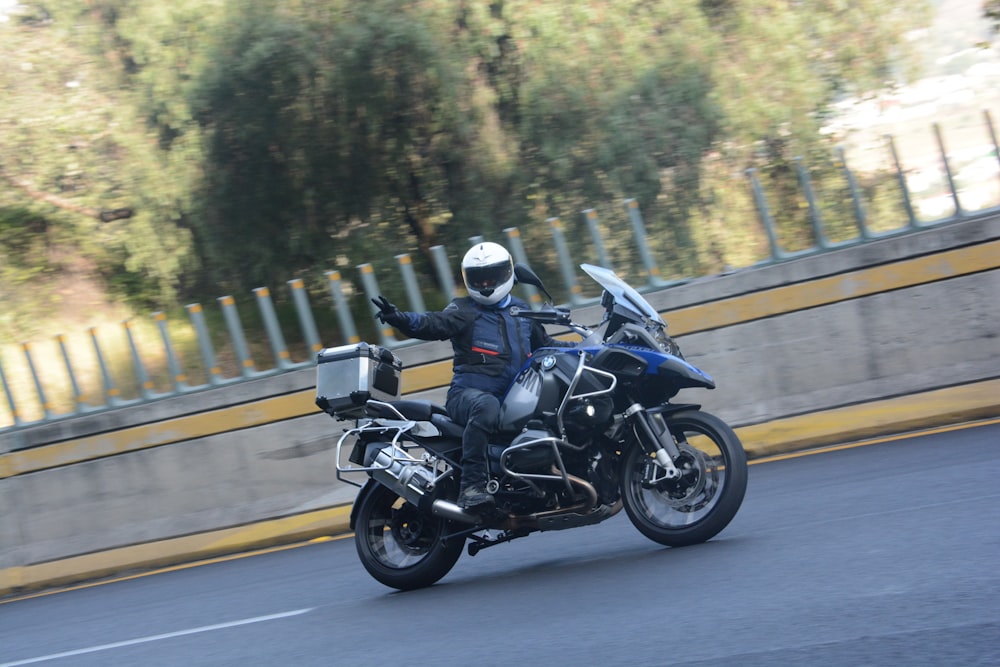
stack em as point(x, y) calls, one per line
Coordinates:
point(991, 11)
point(252, 141)
point(161, 152)
point(77, 142)
point(23, 261)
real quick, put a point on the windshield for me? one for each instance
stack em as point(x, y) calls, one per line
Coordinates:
point(623, 293)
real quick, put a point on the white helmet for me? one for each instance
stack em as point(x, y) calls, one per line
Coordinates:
point(488, 271)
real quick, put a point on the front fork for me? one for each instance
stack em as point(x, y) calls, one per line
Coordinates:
point(655, 439)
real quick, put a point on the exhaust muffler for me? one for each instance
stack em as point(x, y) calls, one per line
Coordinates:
point(409, 478)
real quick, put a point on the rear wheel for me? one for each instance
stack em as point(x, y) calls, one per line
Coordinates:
point(704, 499)
point(401, 546)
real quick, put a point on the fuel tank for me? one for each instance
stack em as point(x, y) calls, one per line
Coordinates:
point(538, 389)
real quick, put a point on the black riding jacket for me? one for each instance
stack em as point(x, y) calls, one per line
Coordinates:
point(490, 344)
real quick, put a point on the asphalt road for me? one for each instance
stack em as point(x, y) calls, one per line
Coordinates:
point(887, 554)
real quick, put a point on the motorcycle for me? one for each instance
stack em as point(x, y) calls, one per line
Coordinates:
point(584, 432)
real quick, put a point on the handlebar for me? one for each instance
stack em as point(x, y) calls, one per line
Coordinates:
point(551, 315)
point(548, 316)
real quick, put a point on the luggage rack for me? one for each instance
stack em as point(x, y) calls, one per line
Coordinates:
point(400, 452)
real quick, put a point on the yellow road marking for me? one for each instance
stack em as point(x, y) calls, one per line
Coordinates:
point(175, 568)
point(213, 545)
point(874, 441)
point(347, 535)
point(930, 409)
point(832, 289)
point(188, 427)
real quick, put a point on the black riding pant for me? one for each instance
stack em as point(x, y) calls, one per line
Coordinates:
point(479, 411)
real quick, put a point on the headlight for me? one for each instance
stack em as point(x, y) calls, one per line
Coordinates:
point(666, 343)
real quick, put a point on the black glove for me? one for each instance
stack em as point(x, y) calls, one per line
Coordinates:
point(387, 312)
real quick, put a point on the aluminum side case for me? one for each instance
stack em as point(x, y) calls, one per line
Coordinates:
point(349, 375)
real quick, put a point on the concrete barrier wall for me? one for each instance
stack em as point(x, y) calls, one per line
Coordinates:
point(914, 315)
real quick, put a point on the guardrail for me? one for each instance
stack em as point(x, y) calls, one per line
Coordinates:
point(111, 395)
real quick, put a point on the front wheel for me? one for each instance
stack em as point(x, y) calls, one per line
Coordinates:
point(704, 499)
point(401, 546)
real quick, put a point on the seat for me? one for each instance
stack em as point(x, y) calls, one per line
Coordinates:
point(448, 428)
point(417, 410)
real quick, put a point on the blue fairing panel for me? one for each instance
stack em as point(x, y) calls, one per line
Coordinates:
point(659, 363)
point(691, 375)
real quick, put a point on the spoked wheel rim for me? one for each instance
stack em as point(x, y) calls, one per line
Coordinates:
point(398, 535)
point(398, 544)
point(685, 501)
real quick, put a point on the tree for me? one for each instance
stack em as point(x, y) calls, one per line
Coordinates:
point(80, 139)
point(358, 123)
point(257, 140)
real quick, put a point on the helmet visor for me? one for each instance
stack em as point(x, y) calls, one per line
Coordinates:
point(488, 277)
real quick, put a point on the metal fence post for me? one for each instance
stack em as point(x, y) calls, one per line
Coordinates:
point(444, 272)
point(410, 283)
point(516, 248)
point(815, 215)
point(177, 376)
point(343, 308)
point(639, 231)
point(590, 217)
point(112, 395)
point(765, 214)
point(138, 368)
point(901, 177)
point(11, 403)
point(385, 333)
point(947, 171)
point(79, 400)
point(565, 262)
point(306, 320)
point(278, 346)
point(39, 389)
point(993, 136)
point(212, 370)
point(859, 209)
point(236, 336)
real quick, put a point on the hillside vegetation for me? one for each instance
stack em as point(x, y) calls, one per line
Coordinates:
point(157, 152)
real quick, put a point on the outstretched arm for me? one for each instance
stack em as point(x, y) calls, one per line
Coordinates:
point(440, 325)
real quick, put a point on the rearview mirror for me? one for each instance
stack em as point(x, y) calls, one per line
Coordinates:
point(524, 274)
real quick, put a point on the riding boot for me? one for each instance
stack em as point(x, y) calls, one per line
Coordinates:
point(472, 492)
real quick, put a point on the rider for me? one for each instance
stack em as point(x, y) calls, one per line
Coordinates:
point(490, 346)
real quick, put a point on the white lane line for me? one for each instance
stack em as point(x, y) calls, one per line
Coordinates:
point(154, 638)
